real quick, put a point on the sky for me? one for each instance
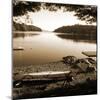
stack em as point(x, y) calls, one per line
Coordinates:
point(47, 20)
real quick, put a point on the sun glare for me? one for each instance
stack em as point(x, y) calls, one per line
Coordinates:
point(51, 20)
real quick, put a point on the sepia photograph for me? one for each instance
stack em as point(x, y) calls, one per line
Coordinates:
point(54, 49)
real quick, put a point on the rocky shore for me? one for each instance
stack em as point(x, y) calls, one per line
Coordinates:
point(81, 81)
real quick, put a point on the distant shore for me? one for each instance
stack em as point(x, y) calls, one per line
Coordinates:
point(24, 27)
point(78, 29)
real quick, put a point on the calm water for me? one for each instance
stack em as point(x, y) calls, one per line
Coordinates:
point(44, 47)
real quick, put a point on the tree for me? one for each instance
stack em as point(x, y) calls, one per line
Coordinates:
point(83, 12)
point(86, 13)
point(22, 7)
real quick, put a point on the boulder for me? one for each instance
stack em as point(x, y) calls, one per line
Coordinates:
point(86, 65)
point(82, 64)
point(92, 61)
point(69, 59)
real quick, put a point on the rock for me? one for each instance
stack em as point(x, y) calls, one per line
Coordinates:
point(92, 65)
point(82, 64)
point(90, 69)
point(92, 61)
point(86, 64)
point(69, 59)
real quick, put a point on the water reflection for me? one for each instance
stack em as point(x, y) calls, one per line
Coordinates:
point(48, 47)
point(22, 35)
point(89, 38)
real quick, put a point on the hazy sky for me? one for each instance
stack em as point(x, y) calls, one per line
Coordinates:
point(48, 20)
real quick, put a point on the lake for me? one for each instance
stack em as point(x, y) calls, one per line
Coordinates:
point(45, 47)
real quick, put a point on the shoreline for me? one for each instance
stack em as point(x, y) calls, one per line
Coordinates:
point(81, 81)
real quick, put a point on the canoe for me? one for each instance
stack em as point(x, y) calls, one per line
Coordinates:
point(49, 75)
point(43, 76)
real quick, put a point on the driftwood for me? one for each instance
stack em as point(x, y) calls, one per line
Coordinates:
point(18, 48)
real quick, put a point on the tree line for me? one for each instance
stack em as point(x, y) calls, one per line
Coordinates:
point(78, 29)
point(86, 13)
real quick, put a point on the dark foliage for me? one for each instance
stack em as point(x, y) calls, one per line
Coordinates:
point(85, 88)
point(23, 27)
point(78, 29)
point(22, 7)
point(83, 12)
